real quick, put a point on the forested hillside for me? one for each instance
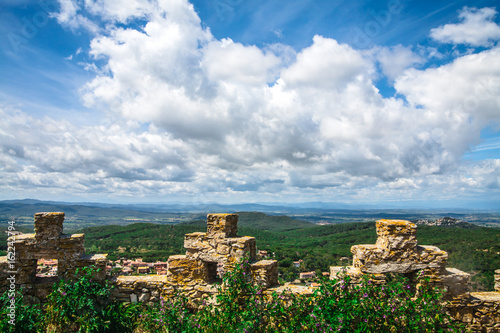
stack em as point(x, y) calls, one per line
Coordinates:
point(476, 250)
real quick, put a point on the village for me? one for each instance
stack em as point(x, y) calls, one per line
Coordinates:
point(122, 266)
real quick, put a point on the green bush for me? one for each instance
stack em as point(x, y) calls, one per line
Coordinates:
point(22, 318)
point(239, 306)
point(80, 305)
point(337, 306)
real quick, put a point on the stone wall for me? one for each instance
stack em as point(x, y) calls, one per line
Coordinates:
point(194, 273)
point(397, 251)
point(48, 242)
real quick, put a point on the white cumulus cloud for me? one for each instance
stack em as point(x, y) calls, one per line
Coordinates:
point(476, 29)
point(187, 113)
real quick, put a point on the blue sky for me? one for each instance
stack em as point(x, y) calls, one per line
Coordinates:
point(390, 103)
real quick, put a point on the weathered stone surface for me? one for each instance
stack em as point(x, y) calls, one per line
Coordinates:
point(182, 270)
point(396, 235)
point(497, 280)
point(265, 273)
point(223, 225)
point(48, 228)
point(71, 267)
point(192, 275)
point(453, 282)
point(24, 246)
point(289, 288)
point(396, 251)
point(197, 241)
point(24, 271)
point(355, 275)
point(481, 311)
point(202, 246)
point(48, 242)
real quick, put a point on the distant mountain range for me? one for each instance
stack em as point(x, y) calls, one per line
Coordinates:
point(80, 214)
point(179, 207)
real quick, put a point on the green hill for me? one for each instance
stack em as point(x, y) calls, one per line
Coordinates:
point(261, 221)
point(476, 251)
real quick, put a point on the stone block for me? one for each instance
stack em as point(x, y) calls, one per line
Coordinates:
point(182, 270)
point(24, 246)
point(375, 260)
point(201, 246)
point(196, 241)
point(453, 282)
point(456, 283)
point(73, 267)
point(24, 270)
point(222, 225)
point(265, 273)
point(355, 275)
point(48, 226)
point(71, 246)
point(396, 235)
point(431, 257)
point(497, 280)
point(241, 247)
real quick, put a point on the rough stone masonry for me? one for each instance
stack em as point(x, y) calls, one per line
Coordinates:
point(48, 242)
point(194, 273)
point(397, 251)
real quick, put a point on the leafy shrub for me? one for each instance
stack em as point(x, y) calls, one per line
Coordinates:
point(239, 306)
point(79, 305)
point(27, 318)
point(337, 306)
point(172, 315)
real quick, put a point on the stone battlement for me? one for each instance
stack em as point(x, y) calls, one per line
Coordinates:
point(194, 273)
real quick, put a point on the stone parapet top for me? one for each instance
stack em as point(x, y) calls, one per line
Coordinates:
point(73, 236)
point(144, 278)
point(264, 262)
point(486, 296)
point(290, 288)
point(223, 224)
point(396, 223)
point(96, 257)
point(49, 214)
point(21, 237)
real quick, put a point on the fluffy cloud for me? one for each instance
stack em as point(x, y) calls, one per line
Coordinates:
point(194, 114)
point(393, 61)
point(476, 29)
point(459, 98)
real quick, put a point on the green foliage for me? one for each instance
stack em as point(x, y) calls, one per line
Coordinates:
point(388, 308)
point(335, 306)
point(240, 306)
point(472, 250)
point(172, 315)
point(78, 305)
point(26, 318)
